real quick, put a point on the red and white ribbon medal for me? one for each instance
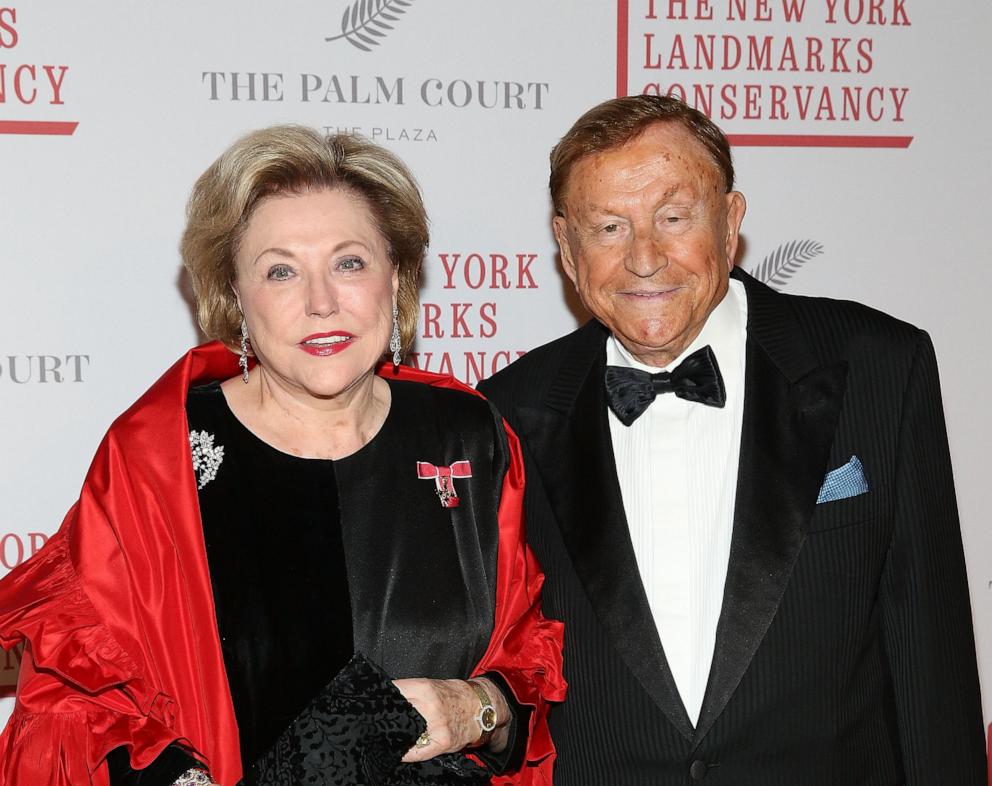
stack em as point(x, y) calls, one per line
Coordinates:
point(443, 478)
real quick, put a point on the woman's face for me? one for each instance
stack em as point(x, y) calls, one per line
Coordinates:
point(317, 289)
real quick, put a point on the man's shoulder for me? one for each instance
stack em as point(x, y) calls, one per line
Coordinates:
point(529, 377)
point(839, 328)
point(842, 310)
point(833, 329)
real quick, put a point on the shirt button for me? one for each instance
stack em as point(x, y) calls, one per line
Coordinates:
point(697, 770)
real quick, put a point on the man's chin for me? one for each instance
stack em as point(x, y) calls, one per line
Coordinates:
point(654, 351)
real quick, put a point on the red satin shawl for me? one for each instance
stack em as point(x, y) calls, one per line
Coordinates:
point(117, 610)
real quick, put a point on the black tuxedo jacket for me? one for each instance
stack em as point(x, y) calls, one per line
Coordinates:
point(844, 652)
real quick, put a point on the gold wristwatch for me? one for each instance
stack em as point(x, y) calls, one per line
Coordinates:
point(487, 714)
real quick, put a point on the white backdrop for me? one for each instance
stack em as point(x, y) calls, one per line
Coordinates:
point(860, 140)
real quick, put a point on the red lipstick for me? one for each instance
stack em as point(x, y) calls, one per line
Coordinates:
point(324, 344)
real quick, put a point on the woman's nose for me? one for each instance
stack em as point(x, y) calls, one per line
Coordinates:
point(321, 298)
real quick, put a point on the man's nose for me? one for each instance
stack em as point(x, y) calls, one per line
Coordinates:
point(647, 255)
point(322, 298)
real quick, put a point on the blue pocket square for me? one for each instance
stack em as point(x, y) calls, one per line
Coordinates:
point(844, 482)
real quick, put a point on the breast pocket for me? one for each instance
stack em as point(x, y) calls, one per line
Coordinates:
point(847, 512)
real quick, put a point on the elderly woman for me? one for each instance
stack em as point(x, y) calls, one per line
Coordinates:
point(279, 500)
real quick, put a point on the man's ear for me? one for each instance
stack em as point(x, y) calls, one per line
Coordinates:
point(560, 227)
point(736, 207)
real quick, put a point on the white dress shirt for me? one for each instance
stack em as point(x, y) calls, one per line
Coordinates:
point(677, 467)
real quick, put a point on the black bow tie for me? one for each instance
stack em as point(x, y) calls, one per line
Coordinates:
point(697, 378)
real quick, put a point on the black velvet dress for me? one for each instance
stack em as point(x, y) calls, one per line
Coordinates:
point(311, 560)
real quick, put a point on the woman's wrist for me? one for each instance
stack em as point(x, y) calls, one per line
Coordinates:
point(492, 714)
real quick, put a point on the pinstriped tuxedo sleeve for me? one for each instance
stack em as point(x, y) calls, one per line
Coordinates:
point(926, 621)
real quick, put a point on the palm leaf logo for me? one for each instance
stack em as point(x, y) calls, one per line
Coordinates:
point(779, 266)
point(366, 22)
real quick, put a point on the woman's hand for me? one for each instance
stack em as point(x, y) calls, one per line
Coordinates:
point(451, 708)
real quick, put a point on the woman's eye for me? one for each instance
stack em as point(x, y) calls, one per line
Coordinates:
point(351, 263)
point(279, 273)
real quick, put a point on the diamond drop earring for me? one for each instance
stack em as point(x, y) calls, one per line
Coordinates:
point(394, 340)
point(243, 359)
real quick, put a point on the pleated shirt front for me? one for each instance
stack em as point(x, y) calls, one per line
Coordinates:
point(677, 467)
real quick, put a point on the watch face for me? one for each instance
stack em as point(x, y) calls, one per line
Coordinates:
point(487, 718)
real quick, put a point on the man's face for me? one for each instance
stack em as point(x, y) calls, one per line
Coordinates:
point(648, 238)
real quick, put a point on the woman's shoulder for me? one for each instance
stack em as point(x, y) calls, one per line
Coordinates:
point(205, 404)
point(167, 396)
point(457, 422)
point(152, 433)
point(454, 403)
point(448, 405)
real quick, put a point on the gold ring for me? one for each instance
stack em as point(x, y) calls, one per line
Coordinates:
point(423, 740)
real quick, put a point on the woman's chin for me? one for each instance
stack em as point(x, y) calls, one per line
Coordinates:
point(320, 377)
point(333, 383)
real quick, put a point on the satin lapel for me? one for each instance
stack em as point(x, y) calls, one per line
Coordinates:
point(571, 444)
point(791, 408)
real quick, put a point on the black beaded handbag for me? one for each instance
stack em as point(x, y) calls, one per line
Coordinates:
point(354, 733)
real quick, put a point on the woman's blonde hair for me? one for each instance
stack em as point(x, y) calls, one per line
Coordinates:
point(292, 159)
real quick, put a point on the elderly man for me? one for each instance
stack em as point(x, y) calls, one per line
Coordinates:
point(743, 500)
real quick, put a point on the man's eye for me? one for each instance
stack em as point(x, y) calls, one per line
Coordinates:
point(610, 229)
point(351, 263)
point(279, 273)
